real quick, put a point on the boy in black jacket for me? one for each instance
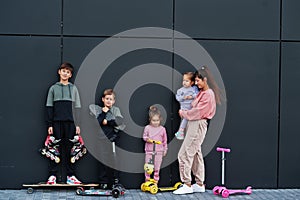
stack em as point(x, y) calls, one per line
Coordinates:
point(111, 122)
point(62, 100)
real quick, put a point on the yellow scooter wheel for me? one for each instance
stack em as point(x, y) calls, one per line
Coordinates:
point(153, 189)
point(143, 187)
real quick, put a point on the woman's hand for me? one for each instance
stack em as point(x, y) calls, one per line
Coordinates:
point(180, 113)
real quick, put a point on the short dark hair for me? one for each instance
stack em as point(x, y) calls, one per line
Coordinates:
point(109, 92)
point(67, 65)
point(190, 75)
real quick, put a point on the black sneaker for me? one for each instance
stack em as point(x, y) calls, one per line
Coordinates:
point(103, 186)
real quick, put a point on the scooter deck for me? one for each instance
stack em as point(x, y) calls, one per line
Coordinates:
point(115, 192)
point(94, 192)
point(172, 188)
point(224, 192)
point(166, 189)
point(248, 190)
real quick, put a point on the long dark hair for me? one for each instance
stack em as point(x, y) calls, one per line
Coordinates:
point(204, 72)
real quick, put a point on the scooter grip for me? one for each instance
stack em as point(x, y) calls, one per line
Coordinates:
point(223, 149)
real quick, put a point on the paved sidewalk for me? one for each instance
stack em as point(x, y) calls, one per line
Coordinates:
point(70, 194)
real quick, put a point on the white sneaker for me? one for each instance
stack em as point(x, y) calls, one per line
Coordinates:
point(51, 180)
point(198, 188)
point(72, 180)
point(184, 190)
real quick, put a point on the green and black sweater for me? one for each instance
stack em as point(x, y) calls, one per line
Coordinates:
point(62, 101)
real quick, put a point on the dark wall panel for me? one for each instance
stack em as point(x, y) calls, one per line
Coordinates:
point(290, 22)
point(289, 157)
point(144, 95)
point(106, 18)
point(228, 19)
point(28, 67)
point(250, 72)
point(30, 17)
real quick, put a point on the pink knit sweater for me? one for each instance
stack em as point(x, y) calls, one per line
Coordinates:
point(203, 106)
point(158, 134)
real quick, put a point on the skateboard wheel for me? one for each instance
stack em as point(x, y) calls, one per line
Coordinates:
point(225, 193)
point(30, 190)
point(153, 189)
point(79, 190)
point(57, 160)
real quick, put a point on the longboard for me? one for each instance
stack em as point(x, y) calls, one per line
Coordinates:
point(30, 187)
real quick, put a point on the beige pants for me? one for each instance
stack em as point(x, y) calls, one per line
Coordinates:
point(190, 157)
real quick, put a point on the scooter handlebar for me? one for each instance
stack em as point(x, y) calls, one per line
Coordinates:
point(154, 141)
point(223, 149)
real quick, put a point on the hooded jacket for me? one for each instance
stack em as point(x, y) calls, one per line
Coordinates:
point(61, 100)
point(114, 120)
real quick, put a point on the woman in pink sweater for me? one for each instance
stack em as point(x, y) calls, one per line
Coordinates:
point(155, 132)
point(190, 157)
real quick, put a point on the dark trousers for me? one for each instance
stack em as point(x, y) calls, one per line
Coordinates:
point(107, 166)
point(63, 131)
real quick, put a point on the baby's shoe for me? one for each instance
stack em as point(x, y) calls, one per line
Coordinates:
point(179, 135)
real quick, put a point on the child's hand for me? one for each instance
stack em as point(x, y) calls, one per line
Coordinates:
point(165, 153)
point(150, 141)
point(104, 122)
point(188, 97)
point(105, 109)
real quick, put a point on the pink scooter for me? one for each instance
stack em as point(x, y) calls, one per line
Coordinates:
point(221, 190)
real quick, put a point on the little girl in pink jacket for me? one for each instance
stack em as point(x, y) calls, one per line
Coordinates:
point(154, 132)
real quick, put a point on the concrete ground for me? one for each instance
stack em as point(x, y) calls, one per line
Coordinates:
point(133, 194)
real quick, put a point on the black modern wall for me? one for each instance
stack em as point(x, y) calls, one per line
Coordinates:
point(254, 43)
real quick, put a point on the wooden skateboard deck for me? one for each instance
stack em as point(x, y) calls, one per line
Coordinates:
point(57, 185)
